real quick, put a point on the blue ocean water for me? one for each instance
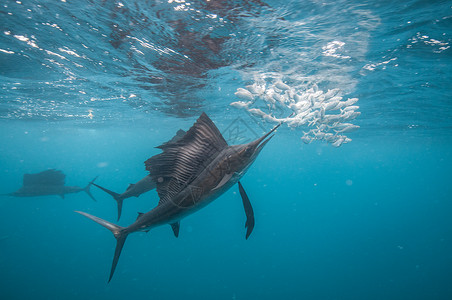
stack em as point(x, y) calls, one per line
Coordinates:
point(92, 87)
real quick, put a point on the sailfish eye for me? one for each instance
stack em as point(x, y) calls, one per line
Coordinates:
point(248, 151)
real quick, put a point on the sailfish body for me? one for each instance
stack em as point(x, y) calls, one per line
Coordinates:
point(190, 173)
point(48, 182)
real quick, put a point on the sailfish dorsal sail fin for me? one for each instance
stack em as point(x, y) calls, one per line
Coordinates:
point(184, 159)
point(180, 134)
point(49, 177)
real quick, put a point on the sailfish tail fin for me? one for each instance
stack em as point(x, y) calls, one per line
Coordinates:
point(119, 233)
point(87, 189)
point(115, 196)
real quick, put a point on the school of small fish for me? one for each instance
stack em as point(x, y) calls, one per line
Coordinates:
point(326, 115)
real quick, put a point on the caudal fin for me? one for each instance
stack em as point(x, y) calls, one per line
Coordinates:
point(87, 189)
point(119, 233)
point(115, 196)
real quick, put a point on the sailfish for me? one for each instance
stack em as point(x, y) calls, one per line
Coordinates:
point(190, 173)
point(142, 186)
point(48, 182)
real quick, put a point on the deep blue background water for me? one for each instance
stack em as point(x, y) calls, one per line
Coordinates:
point(368, 220)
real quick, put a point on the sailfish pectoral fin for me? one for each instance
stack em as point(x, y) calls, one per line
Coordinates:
point(249, 225)
point(223, 181)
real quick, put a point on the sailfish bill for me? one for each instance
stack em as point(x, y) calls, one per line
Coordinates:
point(193, 170)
